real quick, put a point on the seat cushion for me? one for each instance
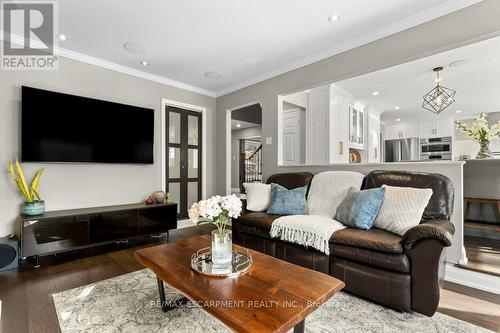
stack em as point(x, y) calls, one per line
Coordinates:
point(389, 261)
point(261, 220)
point(373, 239)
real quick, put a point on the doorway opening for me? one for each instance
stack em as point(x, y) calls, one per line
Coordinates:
point(245, 147)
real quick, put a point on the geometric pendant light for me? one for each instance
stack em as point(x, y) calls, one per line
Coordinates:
point(440, 97)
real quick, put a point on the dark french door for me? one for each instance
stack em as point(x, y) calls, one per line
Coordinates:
point(183, 157)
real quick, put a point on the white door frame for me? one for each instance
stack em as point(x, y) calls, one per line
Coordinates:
point(228, 141)
point(203, 110)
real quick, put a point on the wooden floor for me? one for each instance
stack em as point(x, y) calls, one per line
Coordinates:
point(26, 302)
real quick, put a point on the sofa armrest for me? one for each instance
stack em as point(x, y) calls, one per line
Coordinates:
point(438, 229)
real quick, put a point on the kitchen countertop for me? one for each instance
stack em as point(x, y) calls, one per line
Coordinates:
point(374, 164)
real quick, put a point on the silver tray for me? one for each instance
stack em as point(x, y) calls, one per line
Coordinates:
point(201, 262)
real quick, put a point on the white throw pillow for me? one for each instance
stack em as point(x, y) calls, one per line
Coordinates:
point(402, 209)
point(258, 196)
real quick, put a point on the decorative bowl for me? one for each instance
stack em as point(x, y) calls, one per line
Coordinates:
point(159, 196)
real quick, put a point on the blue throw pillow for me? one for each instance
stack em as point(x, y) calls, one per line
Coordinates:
point(288, 202)
point(359, 209)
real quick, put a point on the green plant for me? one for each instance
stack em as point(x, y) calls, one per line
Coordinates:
point(30, 194)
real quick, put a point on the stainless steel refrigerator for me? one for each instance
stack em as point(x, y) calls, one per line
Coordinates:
point(401, 150)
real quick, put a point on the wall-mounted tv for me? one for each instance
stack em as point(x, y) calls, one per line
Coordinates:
point(58, 127)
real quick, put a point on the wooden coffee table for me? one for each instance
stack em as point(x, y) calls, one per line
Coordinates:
point(272, 296)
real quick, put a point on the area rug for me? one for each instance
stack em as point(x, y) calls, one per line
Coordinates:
point(129, 303)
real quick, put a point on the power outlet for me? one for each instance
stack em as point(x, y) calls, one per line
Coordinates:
point(269, 140)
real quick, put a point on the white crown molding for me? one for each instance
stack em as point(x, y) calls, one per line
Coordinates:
point(412, 21)
point(115, 67)
point(420, 18)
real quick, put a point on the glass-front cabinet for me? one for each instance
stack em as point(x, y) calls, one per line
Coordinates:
point(356, 127)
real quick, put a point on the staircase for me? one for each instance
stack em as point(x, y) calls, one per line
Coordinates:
point(251, 167)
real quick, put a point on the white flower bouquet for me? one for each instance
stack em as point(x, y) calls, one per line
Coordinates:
point(216, 210)
point(481, 132)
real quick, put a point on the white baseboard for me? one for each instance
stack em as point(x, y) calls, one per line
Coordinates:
point(472, 279)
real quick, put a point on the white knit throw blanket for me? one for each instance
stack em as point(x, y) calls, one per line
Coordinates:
point(307, 230)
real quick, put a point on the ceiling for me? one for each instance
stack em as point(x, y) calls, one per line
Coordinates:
point(475, 77)
point(243, 124)
point(245, 41)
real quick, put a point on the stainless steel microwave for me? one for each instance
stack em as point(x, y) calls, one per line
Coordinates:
point(436, 145)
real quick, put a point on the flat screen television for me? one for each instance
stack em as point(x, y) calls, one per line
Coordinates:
point(58, 127)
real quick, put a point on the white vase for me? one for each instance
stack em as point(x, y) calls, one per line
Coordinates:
point(222, 247)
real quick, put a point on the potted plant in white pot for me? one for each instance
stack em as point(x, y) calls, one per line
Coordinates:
point(33, 204)
point(218, 211)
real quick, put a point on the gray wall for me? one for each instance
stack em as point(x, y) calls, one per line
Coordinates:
point(445, 33)
point(244, 133)
point(85, 185)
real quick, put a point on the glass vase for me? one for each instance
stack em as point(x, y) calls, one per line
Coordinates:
point(484, 151)
point(222, 247)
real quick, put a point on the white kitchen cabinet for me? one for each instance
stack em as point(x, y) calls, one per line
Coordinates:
point(445, 127)
point(357, 128)
point(436, 128)
point(401, 131)
point(428, 128)
point(373, 138)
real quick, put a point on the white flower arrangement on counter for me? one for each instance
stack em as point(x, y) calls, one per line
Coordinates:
point(479, 130)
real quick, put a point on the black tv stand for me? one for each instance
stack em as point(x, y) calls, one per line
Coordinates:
point(68, 230)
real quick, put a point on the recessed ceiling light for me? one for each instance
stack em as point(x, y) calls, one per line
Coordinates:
point(458, 111)
point(398, 119)
point(397, 107)
point(136, 48)
point(213, 75)
point(333, 18)
point(375, 93)
point(238, 125)
point(144, 63)
point(63, 37)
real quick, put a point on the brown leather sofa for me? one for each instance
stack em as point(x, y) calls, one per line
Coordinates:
point(404, 273)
